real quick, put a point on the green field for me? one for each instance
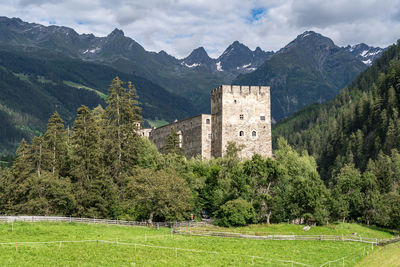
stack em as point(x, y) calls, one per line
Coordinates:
point(387, 256)
point(159, 248)
point(338, 229)
point(80, 86)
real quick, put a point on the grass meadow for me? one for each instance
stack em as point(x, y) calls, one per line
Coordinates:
point(142, 246)
point(387, 256)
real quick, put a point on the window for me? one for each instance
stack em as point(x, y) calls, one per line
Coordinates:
point(234, 101)
point(262, 118)
point(207, 121)
point(241, 116)
point(241, 133)
point(253, 133)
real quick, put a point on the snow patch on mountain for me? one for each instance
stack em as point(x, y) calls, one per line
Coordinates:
point(92, 51)
point(244, 66)
point(367, 62)
point(191, 66)
point(219, 67)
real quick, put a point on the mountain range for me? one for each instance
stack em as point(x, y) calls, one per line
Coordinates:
point(60, 69)
point(360, 125)
point(310, 69)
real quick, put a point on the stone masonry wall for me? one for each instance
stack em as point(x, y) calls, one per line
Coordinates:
point(194, 135)
point(241, 114)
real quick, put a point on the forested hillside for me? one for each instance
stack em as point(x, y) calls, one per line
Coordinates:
point(33, 88)
point(359, 125)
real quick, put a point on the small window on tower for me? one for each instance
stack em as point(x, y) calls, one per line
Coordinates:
point(234, 101)
point(253, 133)
point(262, 118)
point(241, 133)
point(207, 121)
point(241, 116)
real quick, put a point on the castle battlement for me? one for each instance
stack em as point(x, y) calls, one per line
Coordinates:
point(240, 90)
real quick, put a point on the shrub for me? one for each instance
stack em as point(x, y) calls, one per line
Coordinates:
point(236, 212)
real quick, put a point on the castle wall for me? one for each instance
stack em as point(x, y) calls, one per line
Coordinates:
point(241, 114)
point(145, 132)
point(194, 134)
point(216, 119)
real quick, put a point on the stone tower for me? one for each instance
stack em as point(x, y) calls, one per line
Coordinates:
point(241, 114)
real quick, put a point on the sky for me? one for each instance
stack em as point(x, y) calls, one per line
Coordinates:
point(179, 26)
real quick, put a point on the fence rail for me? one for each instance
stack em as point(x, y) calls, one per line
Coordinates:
point(384, 242)
point(102, 221)
point(192, 232)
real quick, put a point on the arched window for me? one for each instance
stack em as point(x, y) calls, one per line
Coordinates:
point(253, 133)
point(241, 133)
point(241, 116)
point(207, 121)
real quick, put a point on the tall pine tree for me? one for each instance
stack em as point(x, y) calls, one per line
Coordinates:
point(122, 118)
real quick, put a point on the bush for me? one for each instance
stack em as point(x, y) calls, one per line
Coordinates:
point(236, 212)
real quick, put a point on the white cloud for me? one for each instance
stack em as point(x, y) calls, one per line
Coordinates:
point(179, 26)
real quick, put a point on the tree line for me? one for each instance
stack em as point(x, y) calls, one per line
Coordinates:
point(102, 168)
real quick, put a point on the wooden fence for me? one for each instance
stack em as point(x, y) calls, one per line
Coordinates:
point(103, 221)
point(260, 236)
point(384, 242)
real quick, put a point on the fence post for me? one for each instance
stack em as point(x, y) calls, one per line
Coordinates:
point(16, 246)
point(215, 255)
point(343, 262)
point(176, 252)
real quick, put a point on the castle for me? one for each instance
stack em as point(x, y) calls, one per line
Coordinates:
point(240, 114)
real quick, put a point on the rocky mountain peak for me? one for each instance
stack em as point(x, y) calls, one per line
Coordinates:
point(116, 32)
point(198, 57)
point(367, 54)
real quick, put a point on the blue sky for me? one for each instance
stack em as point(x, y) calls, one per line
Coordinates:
point(256, 14)
point(179, 26)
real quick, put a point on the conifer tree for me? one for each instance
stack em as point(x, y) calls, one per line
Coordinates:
point(86, 147)
point(39, 157)
point(91, 187)
point(122, 116)
point(22, 167)
point(56, 144)
point(172, 143)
